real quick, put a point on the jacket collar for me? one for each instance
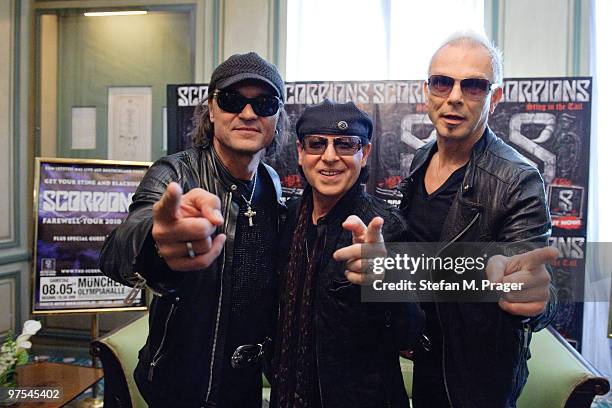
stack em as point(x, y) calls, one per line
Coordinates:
point(224, 176)
point(430, 148)
point(343, 208)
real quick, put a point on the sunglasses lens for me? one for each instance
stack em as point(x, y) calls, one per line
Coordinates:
point(231, 102)
point(475, 87)
point(263, 105)
point(315, 145)
point(440, 85)
point(347, 145)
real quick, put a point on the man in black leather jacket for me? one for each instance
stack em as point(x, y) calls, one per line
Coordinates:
point(214, 291)
point(469, 186)
point(332, 350)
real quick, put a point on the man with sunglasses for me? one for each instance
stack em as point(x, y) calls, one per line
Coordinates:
point(201, 234)
point(469, 186)
point(331, 350)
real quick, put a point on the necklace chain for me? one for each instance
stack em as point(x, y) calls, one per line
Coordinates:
point(248, 202)
point(249, 212)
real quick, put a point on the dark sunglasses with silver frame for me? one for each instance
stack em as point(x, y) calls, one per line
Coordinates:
point(473, 88)
point(234, 102)
point(343, 145)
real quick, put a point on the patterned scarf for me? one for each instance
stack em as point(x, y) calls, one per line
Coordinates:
point(294, 355)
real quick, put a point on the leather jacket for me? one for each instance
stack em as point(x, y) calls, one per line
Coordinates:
point(485, 349)
point(180, 364)
point(356, 344)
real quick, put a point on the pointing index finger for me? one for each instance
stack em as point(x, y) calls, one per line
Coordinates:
point(535, 258)
point(541, 256)
point(167, 208)
point(354, 224)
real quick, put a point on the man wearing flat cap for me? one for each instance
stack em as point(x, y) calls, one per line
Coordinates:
point(331, 350)
point(201, 234)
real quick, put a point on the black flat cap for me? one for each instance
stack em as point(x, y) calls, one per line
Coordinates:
point(240, 67)
point(331, 118)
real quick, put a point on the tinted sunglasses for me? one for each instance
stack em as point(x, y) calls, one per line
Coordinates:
point(343, 145)
point(262, 105)
point(473, 88)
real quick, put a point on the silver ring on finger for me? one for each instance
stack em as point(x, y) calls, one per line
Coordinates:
point(190, 252)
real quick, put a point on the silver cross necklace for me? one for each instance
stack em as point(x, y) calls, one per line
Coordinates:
point(249, 212)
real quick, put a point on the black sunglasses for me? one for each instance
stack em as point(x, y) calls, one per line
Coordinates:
point(473, 88)
point(233, 102)
point(343, 145)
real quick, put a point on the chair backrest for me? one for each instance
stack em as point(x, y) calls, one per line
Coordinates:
point(118, 352)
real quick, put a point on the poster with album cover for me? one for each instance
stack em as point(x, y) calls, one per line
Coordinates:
point(547, 120)
point(77, 203)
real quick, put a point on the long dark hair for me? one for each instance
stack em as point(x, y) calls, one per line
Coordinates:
point(204, 130)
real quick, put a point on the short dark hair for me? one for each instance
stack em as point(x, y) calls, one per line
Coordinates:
point(204, 130)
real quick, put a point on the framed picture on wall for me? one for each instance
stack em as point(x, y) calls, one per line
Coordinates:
point(83, 126)
point(129, 123)
point(77, 203)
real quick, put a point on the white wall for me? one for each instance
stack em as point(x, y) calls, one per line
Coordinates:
point(542, 37)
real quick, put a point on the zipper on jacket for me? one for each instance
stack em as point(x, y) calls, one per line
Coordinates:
point(317, 360)
point(139, 283)
point(228, 204)
point(158, 354)
point(460, 234)
point(450, 402)
point(438, 309)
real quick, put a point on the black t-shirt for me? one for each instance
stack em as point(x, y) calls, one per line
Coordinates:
point(425, 216)
point(427, 212)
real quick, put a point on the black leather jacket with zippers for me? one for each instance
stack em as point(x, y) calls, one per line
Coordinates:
point(180, 364)
point(484, 349)
point(356, 344)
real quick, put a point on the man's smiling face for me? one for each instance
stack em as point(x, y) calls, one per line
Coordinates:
point(331, 175)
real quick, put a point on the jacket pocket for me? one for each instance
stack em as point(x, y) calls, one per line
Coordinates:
point(160, 350)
